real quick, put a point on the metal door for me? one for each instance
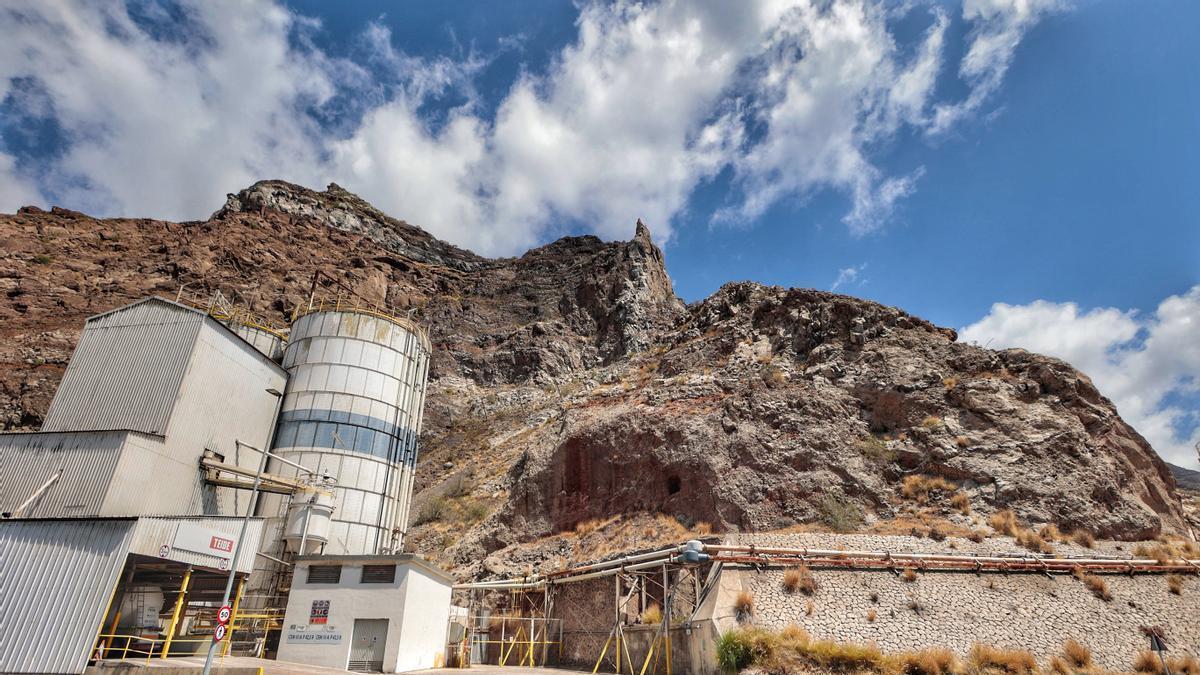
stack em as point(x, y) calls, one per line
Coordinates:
point(366, 650)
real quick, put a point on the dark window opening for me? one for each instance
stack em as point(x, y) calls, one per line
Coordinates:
point(673, 484)
point(324, 574)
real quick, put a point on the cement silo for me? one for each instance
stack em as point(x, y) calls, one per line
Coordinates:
point(355, 392)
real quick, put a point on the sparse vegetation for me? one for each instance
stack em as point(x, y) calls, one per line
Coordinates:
point(799, 579)
point(931, 422)
point(1004, 522)
point(985, 658)
point(433, 511)
point(1175, 584)
point(772, 376)
point(962, 441)
point(876, 449)
point(743, 605)
point(42, 259)
point(652, 616)
point(976, 536)
point(1033, 541)
point(871, 615)
point(962, 502)
point(840, 515)
point(809, 608)
point(909, 575)
point(932, 661)
point(1050, 532)
point(1077, 655)
point(1083, 538)
point(920, 487)
point(949, 383)
point(1098, 586)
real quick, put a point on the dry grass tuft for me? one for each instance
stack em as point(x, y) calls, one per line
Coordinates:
point(846, 656)
point(809, 607)
point(1059, 665)
point(871, 615)
point(1033, 541)
point(1147, 662)
point(909, 575)
point(931, 422)
point(653, 615)
point(1175, 584)
point(586, 527)
point(743, 605)
point(962, 502)
point(1012, 661)
point(799, 579)
point(932, 661)
point(1077, 655)
point(1050, 532)
point(920, 487)
point(976, 536)
point(795, 635)
point(1095, 584)
point(1004, 522)
point(1083, 538)
point(950, 383)
point(962, 441)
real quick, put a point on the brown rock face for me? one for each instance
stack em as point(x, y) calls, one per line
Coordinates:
point(570, 384)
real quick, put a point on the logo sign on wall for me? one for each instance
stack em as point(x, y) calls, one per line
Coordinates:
point(320, 612)
point(198, 539)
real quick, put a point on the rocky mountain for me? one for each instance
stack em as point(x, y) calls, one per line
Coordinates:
point(571, 391)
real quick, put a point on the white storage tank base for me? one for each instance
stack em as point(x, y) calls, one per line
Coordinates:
point(353, 404)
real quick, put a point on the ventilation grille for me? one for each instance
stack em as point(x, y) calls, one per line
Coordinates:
point(378, 574)
point(324, 574)
point(366, 666)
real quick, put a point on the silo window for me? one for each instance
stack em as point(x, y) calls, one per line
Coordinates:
point(378, 574)
point(324, 574)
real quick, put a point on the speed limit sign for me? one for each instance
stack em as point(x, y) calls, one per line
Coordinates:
point(219, 633)
point(223, 615)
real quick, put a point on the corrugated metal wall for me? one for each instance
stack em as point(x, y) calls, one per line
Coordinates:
point(87, 461)
point(126, 371)
point(56, 578)
point(154, 532)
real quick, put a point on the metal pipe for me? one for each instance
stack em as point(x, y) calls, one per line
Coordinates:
point(33, 497)
point(930, 557)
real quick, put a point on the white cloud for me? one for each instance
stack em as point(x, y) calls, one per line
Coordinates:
point(847, 276)
point(164, 113)
point(997, 29)
point(1142, 364)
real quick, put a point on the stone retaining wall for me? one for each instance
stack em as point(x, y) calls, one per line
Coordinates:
point(958, 609)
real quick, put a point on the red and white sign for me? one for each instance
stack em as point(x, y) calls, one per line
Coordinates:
point(198, 539)
point(223, 614)
point(223, 564)
point(219, 633)
point(164, 551)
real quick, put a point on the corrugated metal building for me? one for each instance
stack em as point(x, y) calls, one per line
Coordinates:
point(58, 578)
point(150, 387)
point(120, 496)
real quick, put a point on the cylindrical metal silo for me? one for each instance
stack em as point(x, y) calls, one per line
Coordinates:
point(355, 392)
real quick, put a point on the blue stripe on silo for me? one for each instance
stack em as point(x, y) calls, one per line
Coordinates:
point(307, 432)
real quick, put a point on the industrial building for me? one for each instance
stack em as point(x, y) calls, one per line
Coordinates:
point(121, 515)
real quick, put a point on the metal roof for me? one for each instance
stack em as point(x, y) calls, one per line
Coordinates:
point(395, 559)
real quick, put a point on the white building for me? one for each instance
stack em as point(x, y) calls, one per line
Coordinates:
point(367, 613)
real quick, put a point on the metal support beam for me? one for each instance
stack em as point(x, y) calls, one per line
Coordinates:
point(179, 603)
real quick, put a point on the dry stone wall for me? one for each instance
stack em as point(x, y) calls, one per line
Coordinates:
point(956, 609)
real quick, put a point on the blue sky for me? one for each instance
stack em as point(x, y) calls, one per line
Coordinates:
point(1024, 170)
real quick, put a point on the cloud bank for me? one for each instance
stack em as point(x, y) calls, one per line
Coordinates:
point(160, 109)
point(1149, 366)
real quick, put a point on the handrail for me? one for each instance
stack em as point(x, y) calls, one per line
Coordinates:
point(103, 647)
point(337, 305)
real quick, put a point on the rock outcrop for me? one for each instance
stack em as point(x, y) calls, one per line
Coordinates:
point(571, 386)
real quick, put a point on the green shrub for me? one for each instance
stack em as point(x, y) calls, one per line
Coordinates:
point(434, 511)
point(840, 515)
point(733, 651)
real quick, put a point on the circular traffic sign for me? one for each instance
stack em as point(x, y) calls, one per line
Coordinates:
point(223, 564)
point(219, 633)
point(164, 551)
point(223, 614)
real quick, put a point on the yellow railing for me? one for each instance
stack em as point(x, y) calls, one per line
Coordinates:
point(107, 644)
